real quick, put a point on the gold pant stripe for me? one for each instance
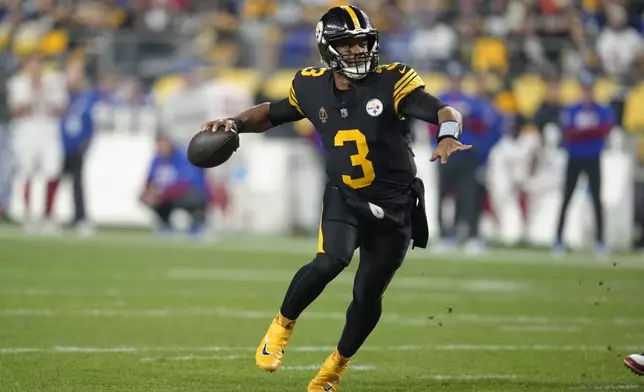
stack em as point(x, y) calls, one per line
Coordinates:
point(321, 235)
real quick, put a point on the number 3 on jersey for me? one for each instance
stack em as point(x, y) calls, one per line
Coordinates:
point(359, 159)
point(310, 71)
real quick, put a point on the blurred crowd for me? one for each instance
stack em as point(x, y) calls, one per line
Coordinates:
point(142, 62)
point(147, 37)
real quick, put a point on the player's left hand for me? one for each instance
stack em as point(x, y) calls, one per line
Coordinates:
point(446, 147)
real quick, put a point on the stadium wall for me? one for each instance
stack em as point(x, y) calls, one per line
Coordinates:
point(276, 185)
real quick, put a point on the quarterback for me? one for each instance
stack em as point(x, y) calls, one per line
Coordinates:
point(373, 200)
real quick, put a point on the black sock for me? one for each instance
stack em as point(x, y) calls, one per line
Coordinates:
point(366, 308)
point(361, 321)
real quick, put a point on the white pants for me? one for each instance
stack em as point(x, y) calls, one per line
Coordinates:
point(38, 149)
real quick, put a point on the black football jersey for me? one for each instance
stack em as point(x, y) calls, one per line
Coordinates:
point(366, 139)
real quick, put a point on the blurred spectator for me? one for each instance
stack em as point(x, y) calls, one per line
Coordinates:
point(459, 174)
point(37, 98)
point(183, 112)
point(133, 107)
point(9, 63)
point(175, 184)
point(619, 46)
point(496, 23)
point(585, 128)
point(635, 11)
point(77, 130)
point(494, 122)
point(105, 106)
point(434, 43)
point(549, 113)
point(297, 47)
point(509, 171)
point(397, 34)
point(550, 26)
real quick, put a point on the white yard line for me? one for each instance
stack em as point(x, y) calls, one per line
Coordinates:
point(608, 387)
point(317, 367)
point(396, 296)
point(390, 318)
point(297, 246)
point(539, 329)
point(408, 282)
point(445, 347)
point(509, 347)
point(470, 377)
point(195, 358)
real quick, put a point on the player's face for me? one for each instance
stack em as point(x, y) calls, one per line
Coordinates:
point(353, 51)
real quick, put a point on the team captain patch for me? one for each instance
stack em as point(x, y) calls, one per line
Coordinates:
point(374, 107)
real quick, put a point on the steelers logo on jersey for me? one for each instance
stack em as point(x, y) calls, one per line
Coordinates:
point(374, 107)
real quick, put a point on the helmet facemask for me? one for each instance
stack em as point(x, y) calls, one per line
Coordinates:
point(343, 57)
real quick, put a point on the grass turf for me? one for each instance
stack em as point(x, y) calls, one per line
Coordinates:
point(132, 313)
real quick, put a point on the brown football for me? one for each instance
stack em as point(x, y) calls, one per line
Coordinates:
point(210, 149)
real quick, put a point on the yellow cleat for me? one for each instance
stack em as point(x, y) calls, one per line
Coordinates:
point(271, 348)
point(328, 378)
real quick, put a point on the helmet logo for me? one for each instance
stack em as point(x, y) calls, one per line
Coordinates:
point(374, 107)
point(318, 31)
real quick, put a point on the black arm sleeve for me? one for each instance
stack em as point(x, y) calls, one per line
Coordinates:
point(421, 105)
point(281, 112)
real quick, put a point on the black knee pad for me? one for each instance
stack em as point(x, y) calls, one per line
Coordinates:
point(327, 265)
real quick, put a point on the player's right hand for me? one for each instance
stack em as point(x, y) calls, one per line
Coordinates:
point(212, 126)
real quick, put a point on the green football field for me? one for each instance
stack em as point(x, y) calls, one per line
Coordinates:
point(129, 312)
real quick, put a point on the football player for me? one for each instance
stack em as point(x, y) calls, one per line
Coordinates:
point(373, 199)
point(635, 362)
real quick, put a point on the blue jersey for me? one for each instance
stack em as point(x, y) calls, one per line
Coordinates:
point(77, 123)
point(585, 127)
point(482, 123)
point(494, 124)
point(176, 174)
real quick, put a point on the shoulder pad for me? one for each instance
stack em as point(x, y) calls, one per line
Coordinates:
point(300, 83)
point(296, 86)
point(403, 78)
point(395, 67)
point(303, 77)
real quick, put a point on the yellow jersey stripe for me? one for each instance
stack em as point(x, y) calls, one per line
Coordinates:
point(404, 86)
point(292, 99)
point(404, 89)
point(295, 105)
point(408, 76)
point(354, 17)
point(391, 66)
point(410, 86)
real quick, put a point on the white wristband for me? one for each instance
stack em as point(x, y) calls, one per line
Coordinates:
point(449, 128)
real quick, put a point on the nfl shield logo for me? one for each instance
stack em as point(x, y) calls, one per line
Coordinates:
point(344, 113)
